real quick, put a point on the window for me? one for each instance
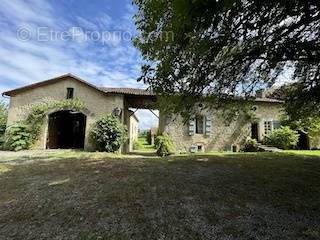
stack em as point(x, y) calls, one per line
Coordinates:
point(69, 93)
point(267, 127)
point(270, 126)
point(199, 124)
point(276, 125)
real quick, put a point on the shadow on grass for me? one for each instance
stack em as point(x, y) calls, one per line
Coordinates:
point(256, 155)
point(202, 196)
point(82, 155)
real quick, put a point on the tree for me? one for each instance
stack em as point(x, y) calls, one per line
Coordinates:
point(227, 48)
point(3, 117)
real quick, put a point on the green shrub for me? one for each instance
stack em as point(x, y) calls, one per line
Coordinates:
point(148, 136)
point(109, 133)
point(283, 137)
point(251, 145)
point(163, 144)
point(2, 141)
point(136, 145)
point(19, 137)
point(143, 133)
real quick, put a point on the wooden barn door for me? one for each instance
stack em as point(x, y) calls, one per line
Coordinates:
point(53, 130)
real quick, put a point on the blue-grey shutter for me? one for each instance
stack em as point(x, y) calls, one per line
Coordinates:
point(192, 126)
point(228, 148)
point(209, 125)
point(193, 148)
point(276, 125)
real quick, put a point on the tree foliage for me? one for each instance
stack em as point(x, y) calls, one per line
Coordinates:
point(3, 117)
point(109, 133)
point(303, 102)
point(228, 48)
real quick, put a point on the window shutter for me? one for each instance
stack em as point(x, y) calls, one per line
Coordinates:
point(193, 148)
point(209, 125)
point(228, 148)
point(276, 125)
point(191, 126)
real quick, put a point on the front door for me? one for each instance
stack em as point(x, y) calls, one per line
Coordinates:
point(255, 131)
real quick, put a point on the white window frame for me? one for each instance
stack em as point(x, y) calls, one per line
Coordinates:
point(267, 127)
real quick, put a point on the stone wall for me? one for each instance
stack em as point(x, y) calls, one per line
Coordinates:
point(224, 135)
point(314, 141)
point(133, 131)
point(96, 104)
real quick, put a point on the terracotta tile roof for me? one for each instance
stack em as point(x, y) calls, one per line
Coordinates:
point(129, 91)
point(270, 100)
point(144, 92)
point(47, 82)
point(125, 91)
point(279, 92)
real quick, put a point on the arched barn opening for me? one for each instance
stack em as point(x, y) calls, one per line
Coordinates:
point(66, 130)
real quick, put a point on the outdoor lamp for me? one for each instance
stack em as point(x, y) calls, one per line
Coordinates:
point(117, 111)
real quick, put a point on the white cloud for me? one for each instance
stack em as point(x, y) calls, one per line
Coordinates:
point(86, 23)
point(105, 21)
point(147, 119)
point(115, 64)
point(19, 11)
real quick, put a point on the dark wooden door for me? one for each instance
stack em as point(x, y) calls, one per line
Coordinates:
point(53, 128)
point(255, 131)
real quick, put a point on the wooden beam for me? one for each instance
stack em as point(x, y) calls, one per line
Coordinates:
point(153, 113)
point(133, 112)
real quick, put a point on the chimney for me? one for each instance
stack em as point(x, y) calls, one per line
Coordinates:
point(260, 93)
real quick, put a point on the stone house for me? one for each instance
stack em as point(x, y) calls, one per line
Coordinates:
point(67, 129)
point(208, 132)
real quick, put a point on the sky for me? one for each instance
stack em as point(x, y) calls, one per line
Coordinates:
point(42, 39)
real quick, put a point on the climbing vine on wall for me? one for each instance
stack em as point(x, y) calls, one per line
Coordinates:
point(23, 134)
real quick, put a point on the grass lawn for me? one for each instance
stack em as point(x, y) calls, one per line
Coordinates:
point(144, 146)
point(77, 195)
